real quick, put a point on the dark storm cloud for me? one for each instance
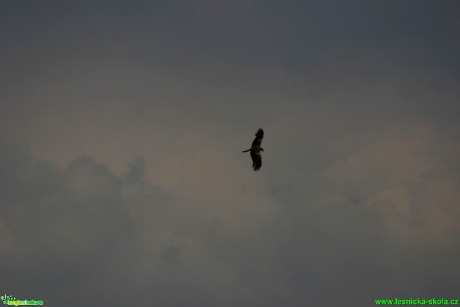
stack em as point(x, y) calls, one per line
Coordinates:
point(370, 51)
point(415, 34)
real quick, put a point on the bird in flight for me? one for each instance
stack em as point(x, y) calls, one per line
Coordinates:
point(256, 149)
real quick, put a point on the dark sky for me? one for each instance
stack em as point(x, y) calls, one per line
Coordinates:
point(122, 180)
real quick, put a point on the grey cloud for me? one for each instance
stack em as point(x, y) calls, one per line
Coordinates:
point(358, 195)
point(105, 235)
point(62, 228)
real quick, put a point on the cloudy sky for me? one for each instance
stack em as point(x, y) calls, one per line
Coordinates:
point(122, 180)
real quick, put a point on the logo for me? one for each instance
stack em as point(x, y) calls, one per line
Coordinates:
point(12, 301)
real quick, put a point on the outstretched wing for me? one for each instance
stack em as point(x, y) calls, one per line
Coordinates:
point(256, 160)
point(258, 140)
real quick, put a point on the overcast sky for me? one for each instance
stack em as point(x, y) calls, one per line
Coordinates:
point(122, 180)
